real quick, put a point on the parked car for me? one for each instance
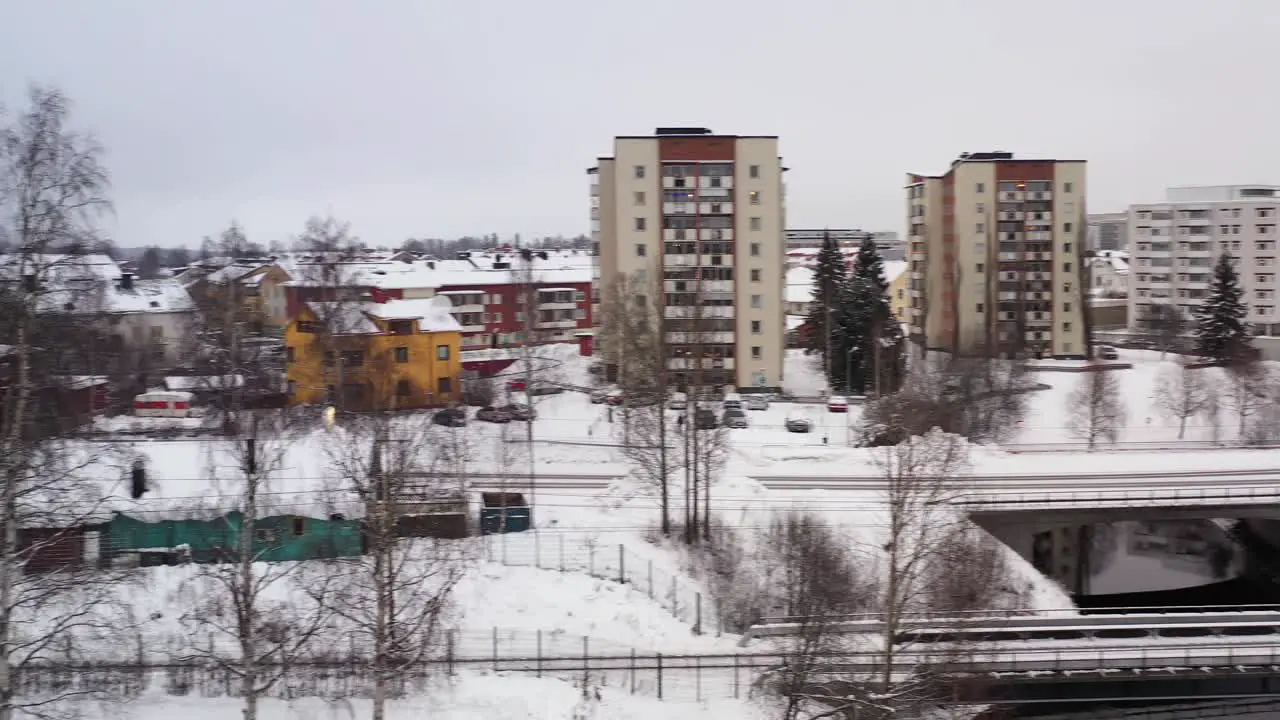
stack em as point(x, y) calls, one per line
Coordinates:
point(732, 401)
point(1106, 352)
point(678, 401)
point(492, 414)
point(599, 396)
point(545, 389)
point(515, 385)
point(615, 398)
point(837, 404)
point(758, 402)
point(734, 418)
point(799, 424)
point(705, 419)
point(519, 411)
point(450, 417)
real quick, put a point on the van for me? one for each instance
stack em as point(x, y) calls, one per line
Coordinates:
point(732, 401)
point(162, 403)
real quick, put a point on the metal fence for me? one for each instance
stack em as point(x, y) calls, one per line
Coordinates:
point(607, 561)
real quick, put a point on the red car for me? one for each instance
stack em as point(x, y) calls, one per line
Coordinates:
point(515, 385)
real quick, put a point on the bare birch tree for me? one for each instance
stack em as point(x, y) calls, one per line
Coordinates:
point(647, 433)
point(1095, 409)
point(326, 253)
point(52, 188)
point(247, 616)
point(393, 601)
point(1183, 392)
point(1246, 391)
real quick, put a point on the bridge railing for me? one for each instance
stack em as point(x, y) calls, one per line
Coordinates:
point(1117, 498)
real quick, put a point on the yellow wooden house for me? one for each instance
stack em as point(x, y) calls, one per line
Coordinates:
point(366, 355)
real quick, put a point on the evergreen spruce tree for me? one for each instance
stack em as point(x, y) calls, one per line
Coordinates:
point(870, 334)
point(823, 321)
point(1222, 333)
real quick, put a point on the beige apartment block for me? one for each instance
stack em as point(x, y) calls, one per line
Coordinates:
point(695, 222)
point(1176, 243)
point(994, 252)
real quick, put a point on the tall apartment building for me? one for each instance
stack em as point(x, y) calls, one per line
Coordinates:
point(695, 220)
point(994, 247)
point(1174, 245)
point(1108, 231)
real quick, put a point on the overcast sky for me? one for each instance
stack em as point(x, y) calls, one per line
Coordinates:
point(433, 118)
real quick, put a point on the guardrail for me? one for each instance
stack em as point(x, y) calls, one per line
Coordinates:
point(1101, 498)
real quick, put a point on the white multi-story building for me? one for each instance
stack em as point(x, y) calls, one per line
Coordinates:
point(695, 222)
point(994, 252)
point(1176, 243)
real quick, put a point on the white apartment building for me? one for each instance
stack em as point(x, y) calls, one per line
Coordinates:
point(1176, 243)
point(696, 221)
point(994, 253)
point(1109, 231)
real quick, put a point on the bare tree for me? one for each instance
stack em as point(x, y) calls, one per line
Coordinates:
point(52, 187)
point(245, 600)
point(1246, 391)
point(980, 398)
point(1183, 392)
point(330, 280)
point(392, 601)
point(647, 433)
point(923, 478)
point(1095, 409)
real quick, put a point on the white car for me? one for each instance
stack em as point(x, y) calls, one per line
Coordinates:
point(799, 423)
point(758, 402)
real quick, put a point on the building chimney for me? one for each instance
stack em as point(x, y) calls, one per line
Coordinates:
point(126, 281)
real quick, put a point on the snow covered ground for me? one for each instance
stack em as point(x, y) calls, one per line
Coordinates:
point(468, 696)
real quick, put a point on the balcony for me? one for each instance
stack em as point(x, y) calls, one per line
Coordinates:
point(1040, 195)
point(1011, 215)
point(707, 363)
point(557, 305)
point(1009, 256)
point(557, 324)
point(466, 309)
point(725, 181)
point(1012, 196)
point(1040, 236)
point(679, 208)
point(705, 337)
point(679, 260)
point(689, 311)
point(724, 208)
point(718, 234)
point(467, 329)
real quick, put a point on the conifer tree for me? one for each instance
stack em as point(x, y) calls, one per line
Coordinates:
point(872, 338)
point(823, 321)
point(1222, 333)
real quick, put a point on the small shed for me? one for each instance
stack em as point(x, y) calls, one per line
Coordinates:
point(276, 538)
point(435, 513)
point(504, 512)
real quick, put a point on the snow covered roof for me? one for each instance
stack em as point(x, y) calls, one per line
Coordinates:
point(432, 315)
point(421, 274)
point(94, 283)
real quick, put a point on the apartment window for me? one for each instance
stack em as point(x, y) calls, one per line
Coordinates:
point(980, 267)
point(980, 209)
point(1265, 212)
point(641, 224)
point(520, 299)
point(1066, 247)
point(755, 275)
point(497, 317)
point(639, 172)
point(980, 188)
point(641, 250)
point(755, 327)
point(1067, 187)
point(1066, 307)
point(755, 223)
point(520, 317)
point(754, 171)
point(756, 354)
point(640, 197)
point(641, 300)
point(1066, 227)
point(980, 308)
point(1066, 267)
point(402, 354)
point(444, 385)
point(579, 314)
point(755, 249)
point(486, 318)
point(757, 301)
point(402, 388)
point(980, 227)
point(289, 354)
point(755, 197)
point(1066, 327)
point(442, 352)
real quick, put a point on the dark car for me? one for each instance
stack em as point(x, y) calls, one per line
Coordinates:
point(493, 415)
point(705, 419)
point(450, 417)
point(518, 411)
point(545, 389)
point(734, 418)
point(1106, 352)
